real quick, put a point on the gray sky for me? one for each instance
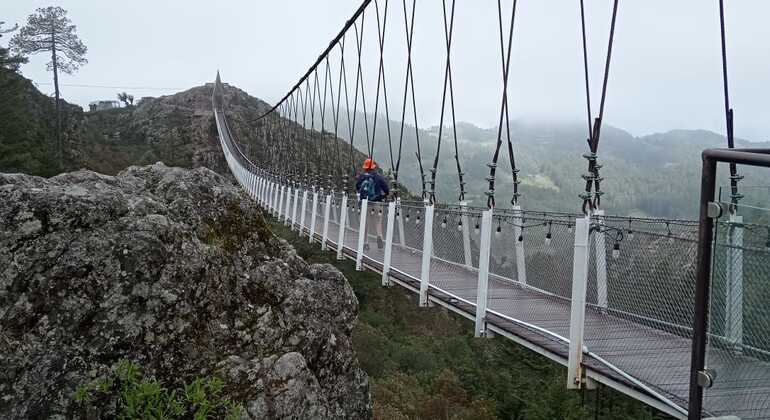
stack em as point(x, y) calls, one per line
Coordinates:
point(665, 70)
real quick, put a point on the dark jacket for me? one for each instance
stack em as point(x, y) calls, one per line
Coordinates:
point(380, 184)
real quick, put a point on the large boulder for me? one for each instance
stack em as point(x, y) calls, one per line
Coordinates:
point(173, 269)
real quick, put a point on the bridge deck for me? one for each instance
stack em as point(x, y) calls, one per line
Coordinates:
point(659, 359)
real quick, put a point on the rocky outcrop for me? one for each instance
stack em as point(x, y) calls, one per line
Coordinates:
point(174, 269)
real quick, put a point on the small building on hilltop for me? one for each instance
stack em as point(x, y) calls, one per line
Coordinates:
point(102, 105)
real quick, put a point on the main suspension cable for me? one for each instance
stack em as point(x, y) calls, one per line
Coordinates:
point(734, 177)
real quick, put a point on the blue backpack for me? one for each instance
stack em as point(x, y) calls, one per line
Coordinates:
point(367, 189)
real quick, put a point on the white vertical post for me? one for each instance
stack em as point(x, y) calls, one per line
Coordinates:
point(388, 243)
point(734, 295)
point(343, 222)
point(466, 234)
point(268, 195)
point(482, 284)
point(278, 194)
point(250, 184)
point(601, 263)
point(361, 234)
point(263, 198)
point(272, 197)
point(304, 212)
point(260, 195)
point(427, 247)
point(280, 202)
point(327, 211)
point(401, 234)
point(313, 214)
point(578, 309)
point(277, 200)
point(286, 208)
point(294, 208)
point(521, 260)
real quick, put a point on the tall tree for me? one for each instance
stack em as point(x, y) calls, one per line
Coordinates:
point(8, 62)
point(128, 100)
point(49, 30)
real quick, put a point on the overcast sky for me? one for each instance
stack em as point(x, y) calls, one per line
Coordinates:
point(666, 70)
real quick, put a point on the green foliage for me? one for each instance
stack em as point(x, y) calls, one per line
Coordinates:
point(426, 364)
point(50, 31)
point(140, 397)
point(9, 63)
point(128, 100)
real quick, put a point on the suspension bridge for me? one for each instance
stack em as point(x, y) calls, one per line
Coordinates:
point(677, 317)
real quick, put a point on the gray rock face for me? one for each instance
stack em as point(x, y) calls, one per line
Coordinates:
point(176, 270)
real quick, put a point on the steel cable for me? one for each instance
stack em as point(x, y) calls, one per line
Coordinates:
point(409, 78)
point(592, 200)
point(381, 75)
point(448, 31)
point(506, 62)
point(734, 177)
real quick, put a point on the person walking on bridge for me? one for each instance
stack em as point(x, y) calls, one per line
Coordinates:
point(373, 187)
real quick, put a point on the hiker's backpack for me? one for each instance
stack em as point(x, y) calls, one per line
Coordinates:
point(367, 188)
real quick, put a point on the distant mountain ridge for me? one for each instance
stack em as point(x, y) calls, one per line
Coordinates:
point(652, 175)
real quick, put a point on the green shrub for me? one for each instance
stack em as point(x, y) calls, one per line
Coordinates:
point(140, 397)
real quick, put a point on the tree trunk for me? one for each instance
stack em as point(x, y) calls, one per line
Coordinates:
point(56, 93)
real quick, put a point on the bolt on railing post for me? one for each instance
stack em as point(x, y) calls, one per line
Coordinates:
point(294, 208)
point(304, 213)
point(343, 222)
point(466, 234)
point(578, 302)
point(361, 234)
point(388, 243)
point(427, 252)
point(327, 211)
point(734, 295)
point(521, 260)
point(485, 242)
point(600, 250)
point(313, 216)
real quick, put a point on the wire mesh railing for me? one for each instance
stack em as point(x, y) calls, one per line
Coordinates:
point(639, 280)
point(738, 342)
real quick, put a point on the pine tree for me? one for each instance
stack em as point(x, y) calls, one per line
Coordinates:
point(49, 30)
point(8, 62)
